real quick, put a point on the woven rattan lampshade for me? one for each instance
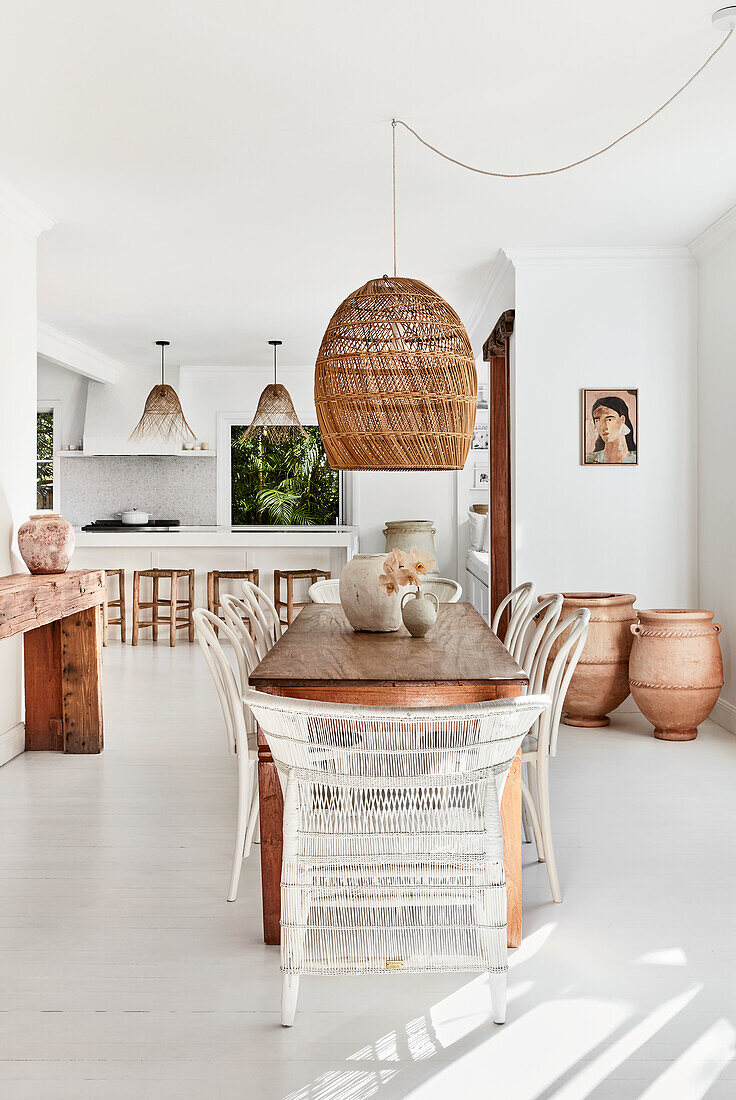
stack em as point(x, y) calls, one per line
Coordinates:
point(162, 414)
point(395, 384)
point(275, 414)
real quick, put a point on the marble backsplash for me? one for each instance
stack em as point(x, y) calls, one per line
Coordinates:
point(101, 487)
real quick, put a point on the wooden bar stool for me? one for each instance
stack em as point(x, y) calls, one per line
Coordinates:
point(213, 584)
point(119, 602)
point(291, 575)
point(174, 604)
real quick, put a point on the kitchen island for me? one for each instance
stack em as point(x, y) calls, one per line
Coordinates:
point(216, 547)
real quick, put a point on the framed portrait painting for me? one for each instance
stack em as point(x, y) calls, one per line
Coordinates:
point(610, 427)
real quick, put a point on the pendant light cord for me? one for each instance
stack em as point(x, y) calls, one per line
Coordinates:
point(549, 171)
point(162, 364)
point(274, 364)
point(394, 123)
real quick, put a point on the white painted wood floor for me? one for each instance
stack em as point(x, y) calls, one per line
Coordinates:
point(125, 974)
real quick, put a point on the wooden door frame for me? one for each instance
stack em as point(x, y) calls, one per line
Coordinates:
point(496, 354)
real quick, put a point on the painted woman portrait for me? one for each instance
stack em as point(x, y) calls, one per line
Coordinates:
point(610, 427)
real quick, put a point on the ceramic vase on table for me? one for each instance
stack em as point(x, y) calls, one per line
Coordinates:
point(419, 611)
point(600, 683)
point(46, 543)
point(365, 603)
point(676, 670)
point(410, 534)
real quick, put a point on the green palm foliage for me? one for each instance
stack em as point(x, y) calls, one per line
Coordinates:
point(282, 482)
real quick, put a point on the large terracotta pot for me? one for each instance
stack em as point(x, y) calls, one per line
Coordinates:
point(600, 683)
point(46, 543)
point(676, 670)
point(365, 603)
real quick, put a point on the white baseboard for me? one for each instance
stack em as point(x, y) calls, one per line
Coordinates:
point(12, 743)
point(724, 714)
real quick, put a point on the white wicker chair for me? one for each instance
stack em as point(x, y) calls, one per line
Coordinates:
point(518, 602)
point(532, 631)
point(265, 614)
point(393, 852)
point(241, 735)
point(325, 591)
point(552, 674)
point(446, 590)
point(239, 616)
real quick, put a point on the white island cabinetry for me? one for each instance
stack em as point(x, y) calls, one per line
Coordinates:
point(206, 548)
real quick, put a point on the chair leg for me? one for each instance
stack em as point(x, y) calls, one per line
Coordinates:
point(190, 609)
point(136, 605)
point(498, 997)
point(534, 792)
point(253, 818)
point(154, 610)
point(546, 826)
point(241, 826)
point(172, 608)
point(289, 996)
point(211, 592)
point(105, 617)
point(529, 807)
point(289, 599)
point(122, 606)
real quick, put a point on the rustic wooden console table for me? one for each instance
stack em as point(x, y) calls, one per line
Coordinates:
point(60, 618)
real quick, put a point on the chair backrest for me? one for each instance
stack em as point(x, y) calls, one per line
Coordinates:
point(239, 615)
point(518, 602)
point(555, 663)
point(264, 610)
point(395, 746)
point(206, 626)
point(325, 591)
point(541, 618)
point(446, 590)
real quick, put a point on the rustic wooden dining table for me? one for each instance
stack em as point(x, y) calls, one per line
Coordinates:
point(321, 657)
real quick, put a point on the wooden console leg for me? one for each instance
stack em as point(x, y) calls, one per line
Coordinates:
point(81, 637)
point(44, 708)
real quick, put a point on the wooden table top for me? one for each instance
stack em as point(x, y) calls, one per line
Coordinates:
point(28, 601)
point(320, 647)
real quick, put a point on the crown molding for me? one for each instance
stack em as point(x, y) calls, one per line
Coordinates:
point(654, 254)
point(67, 352)
point(714, 234)
point(500, 272)
point(22, 211)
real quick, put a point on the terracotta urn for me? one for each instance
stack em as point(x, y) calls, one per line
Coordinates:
point(600, 683)
point(419, 611)
point(366, 604)
point(676, 670)
point(46, 543)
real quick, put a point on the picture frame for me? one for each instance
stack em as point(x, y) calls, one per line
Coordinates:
point(481, 475)
point(481, 437)
point(609, 426)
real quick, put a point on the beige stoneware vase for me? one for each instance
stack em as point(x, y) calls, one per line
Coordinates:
point(365, 603)
point(600, 683)
point(676, 670)
point(46, 543)
point(419, 610)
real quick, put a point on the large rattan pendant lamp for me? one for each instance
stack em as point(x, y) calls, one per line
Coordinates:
point(395, 385)
point(162, 414)
point(275, 415)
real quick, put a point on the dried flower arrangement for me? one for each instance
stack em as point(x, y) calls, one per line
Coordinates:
point(400, 569)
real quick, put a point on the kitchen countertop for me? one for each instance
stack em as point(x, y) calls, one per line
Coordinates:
point(224, 536)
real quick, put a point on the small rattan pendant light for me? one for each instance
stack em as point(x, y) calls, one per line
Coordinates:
point(395, 384)
point(162, 413)
point(275, 415)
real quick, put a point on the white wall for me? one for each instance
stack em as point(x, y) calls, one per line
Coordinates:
point(716, 481)
point(17, 441)
point(56, 383)
point(609, 318)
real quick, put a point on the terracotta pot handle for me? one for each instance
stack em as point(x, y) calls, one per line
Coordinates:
point(636, 628)
point(717, 627)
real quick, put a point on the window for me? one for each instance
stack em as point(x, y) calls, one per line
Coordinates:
point(277, 483)
point(47, 488)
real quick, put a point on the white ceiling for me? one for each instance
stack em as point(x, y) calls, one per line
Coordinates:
point(220, 169)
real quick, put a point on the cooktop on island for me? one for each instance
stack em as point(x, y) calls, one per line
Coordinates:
point(118, 525)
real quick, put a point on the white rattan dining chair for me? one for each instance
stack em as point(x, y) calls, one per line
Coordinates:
point(555, 664)
point(240, 733)
point(518, 602)
point(325, 591)
point(239, 615)
point(540, 620)
point(446, 590)
point(393, 851)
